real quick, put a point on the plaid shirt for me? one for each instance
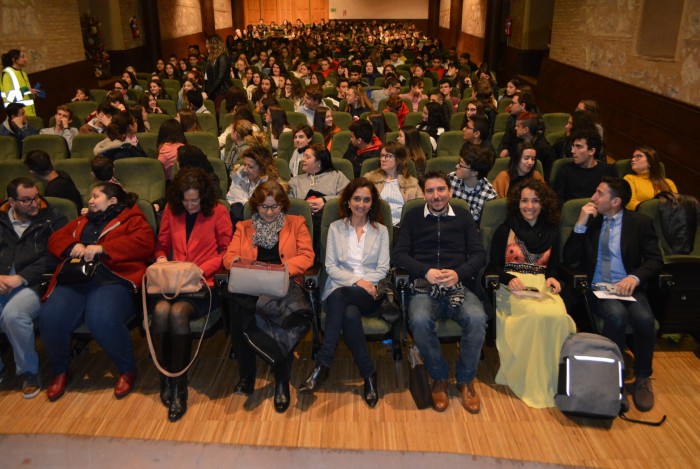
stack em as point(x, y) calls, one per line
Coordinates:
point(476, 197)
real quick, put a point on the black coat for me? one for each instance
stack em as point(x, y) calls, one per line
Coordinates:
point(29, 253)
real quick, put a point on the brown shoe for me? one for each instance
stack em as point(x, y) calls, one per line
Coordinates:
point(470, 399)
point(440, 397)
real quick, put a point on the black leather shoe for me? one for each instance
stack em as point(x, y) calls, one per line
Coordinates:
point(178, 406)
point(282, 397)
point(245, 385)
point(371, 391)
point(166, 390)
point(313, 383)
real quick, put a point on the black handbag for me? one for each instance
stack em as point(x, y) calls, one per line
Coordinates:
point(418, 382)
point(389, 310)
point(75, 271)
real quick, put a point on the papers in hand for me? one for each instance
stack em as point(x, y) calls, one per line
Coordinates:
point(532, 294)
point(606, 295)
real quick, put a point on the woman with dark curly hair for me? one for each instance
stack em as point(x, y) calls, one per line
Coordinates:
point(357, 258)
point(531, 319)
point(196, 228)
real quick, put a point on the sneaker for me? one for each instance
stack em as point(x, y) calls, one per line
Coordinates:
point(30, 385)
point(643, 394)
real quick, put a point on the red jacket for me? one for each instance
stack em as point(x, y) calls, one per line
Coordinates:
point(128, 241)
point(208, 241)
point(401, 115)
point(295, 246)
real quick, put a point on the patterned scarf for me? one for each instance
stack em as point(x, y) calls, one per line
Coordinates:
point(267, 234)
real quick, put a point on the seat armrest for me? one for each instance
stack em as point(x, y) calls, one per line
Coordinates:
point(666, 281)
point(401, 278)
point(312, 277)
point(221, 279)
point(490, 280)
point(573, 277)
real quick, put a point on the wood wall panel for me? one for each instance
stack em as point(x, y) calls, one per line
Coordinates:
point(631, 116)
point(301, 10)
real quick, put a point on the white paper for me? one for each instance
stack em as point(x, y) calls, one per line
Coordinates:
point(606, 295)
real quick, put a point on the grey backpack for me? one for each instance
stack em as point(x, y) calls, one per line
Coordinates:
point(590, 377)
point(591, 380)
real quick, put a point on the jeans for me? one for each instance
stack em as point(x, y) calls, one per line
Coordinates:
point(345, 308)
point(105, 309)
point(18, 310)
point(617, 314)
point(424, 311)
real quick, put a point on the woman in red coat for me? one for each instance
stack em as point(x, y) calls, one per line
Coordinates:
point(115, 232)
point(195, 228)
point(269, 236)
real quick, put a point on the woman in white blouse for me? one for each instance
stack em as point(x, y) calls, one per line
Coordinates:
point(357, 258)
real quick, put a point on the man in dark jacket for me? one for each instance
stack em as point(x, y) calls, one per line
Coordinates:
point(26, 222)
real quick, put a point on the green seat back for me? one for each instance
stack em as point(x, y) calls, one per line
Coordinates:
point(167, 106)
point(97, 94)
point(413, 203)
point(496, 139)
point(81, 174)
point(296, 118)
point(500, 124)
point(556, 166)
point(624, 167)
point(446, 164)
point(492, 216)
point(150, 214)
point(170, 83)
point(135, 95)
point(503, 104)
point(570, 212)
point(8, 148)
point(207, 142)
point(413, 119)
point(554, 136)
point(80, 110)
point(157, 119)
point(450, 143)
point(456, 121)
point(341, 141)
point(144, 176)
point(84, 145)
point(286, 104)
point(54, 145)
point(211, 107)
point(345, 167)
point(555, 122)
point(342, 119)
point(220, 171)
point(149, 143)
point(11, 169)
point(501, 164)
point(64, 206)
point(282, 166)
point(208, 123)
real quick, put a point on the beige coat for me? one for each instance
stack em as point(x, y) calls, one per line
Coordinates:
point(410, 189)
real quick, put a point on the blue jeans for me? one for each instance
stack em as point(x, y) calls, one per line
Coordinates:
point(18, 310)
point(105, 309)
point(424, 311)
point(345, 308)
point(617, 314)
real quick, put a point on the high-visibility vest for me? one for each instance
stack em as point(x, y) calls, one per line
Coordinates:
point(16, 95)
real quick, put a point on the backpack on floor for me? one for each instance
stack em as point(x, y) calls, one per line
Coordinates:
point(591, 379)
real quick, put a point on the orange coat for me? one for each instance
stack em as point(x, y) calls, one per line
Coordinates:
point(295, 246)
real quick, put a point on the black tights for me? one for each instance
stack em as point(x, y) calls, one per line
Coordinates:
point(173, 318)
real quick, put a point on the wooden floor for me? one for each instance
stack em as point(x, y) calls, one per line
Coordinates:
point(337, 418)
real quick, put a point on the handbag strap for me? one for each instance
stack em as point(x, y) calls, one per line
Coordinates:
point(177, 288)
point(147, 327)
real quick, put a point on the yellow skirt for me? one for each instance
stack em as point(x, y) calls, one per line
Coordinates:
point(529, 336)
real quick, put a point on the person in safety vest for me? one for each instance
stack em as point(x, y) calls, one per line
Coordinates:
point(15, 85)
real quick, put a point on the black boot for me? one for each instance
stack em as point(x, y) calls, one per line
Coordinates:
point(313, 383)
point(370, 393)
point(282, 396)
point(160, 348)
point(181, 350)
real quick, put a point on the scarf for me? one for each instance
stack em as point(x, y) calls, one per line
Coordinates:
point(267, 234)
point(537, 238)
point(106, 215)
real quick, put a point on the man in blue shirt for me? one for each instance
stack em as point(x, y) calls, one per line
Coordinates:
point(619, 247)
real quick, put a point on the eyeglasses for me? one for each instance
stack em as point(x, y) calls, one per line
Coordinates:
point(269, 207)
point(386, 156)
point(28, 201)
point(463, 166)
